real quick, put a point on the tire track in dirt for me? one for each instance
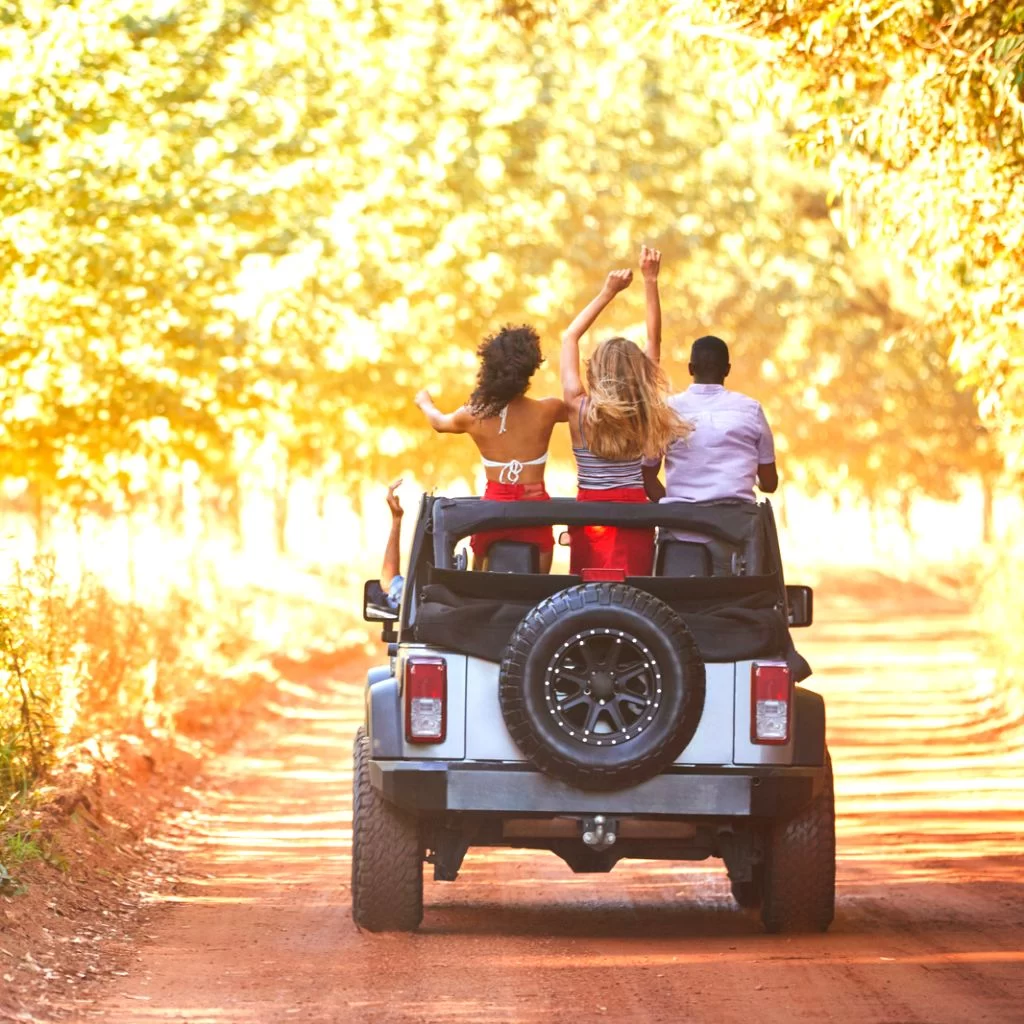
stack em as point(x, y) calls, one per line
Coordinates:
point(930, 922)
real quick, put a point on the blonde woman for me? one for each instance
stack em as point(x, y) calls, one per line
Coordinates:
point(617, 419)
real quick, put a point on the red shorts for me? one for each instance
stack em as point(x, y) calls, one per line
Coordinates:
point(612, 547)
point(542, 536)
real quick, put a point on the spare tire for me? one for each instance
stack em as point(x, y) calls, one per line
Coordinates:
point(602, 686)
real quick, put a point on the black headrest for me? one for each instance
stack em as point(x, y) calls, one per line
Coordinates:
point(683, 558)
point(512, 556)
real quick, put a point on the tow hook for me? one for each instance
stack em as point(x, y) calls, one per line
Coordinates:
point(599, 832)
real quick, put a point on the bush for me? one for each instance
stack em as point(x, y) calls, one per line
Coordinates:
point(76, 664)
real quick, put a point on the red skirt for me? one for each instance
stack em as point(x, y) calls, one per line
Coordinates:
point(542, 536)
point(612, 547)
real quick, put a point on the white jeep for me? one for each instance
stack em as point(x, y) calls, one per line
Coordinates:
point(657, 716)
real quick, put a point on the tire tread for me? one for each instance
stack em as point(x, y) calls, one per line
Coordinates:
point(800, 867)
point(387, 855)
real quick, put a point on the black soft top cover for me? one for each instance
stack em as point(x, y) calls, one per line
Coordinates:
point(735, 523)
point(732, 618)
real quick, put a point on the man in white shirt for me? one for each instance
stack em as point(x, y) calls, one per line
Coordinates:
point(731, 446)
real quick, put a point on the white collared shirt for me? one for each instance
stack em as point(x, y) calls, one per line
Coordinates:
point(719, 460)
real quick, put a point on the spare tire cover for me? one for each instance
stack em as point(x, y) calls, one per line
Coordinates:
point(602, 686)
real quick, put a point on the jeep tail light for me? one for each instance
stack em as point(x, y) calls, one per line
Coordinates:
point(771, 702)
point(426, 693)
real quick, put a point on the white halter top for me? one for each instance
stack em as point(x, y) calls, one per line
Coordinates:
point(510, 470)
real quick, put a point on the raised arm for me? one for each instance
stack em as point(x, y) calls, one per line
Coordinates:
point(650, 264)
point(391, 566)
point(572, 385)
point(444, 423)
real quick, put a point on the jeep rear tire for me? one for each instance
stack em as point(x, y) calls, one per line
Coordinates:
point(602, 686)
point(387, 855)
point(800, 867)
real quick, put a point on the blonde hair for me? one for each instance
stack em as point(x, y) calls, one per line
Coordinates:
point(626, 413)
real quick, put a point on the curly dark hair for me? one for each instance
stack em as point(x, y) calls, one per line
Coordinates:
point(508, 359)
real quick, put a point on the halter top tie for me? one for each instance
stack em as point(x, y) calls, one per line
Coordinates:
point(510, 470)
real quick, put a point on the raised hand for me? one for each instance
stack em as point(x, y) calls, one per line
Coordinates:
point(392, 499)
point(650, 262)
point(618, 280)
point(457, 422)
point(572, 384)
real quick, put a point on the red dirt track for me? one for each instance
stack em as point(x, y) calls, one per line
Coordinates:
point(929, 926)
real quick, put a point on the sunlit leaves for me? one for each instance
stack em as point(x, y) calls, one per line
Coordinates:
point(231, 228)
point(919, 107)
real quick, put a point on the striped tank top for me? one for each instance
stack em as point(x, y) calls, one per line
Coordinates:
point(595, 473)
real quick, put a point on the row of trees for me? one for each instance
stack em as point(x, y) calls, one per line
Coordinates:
point(238, 235)
point(917, 109)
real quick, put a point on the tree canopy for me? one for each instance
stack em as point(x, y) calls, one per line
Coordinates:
point(918, 107)
point(236, 230)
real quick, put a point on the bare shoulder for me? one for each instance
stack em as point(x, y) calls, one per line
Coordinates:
point(553, 408)
point(464, 419)
point(542, 408)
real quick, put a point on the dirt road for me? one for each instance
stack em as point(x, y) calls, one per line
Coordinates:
point(930, 922)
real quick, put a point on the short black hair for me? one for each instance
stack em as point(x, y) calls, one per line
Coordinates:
point(709, 357)
point(508, 359)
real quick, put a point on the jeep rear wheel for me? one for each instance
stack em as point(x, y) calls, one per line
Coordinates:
point(800, 867)
point(387, 855)
point(602, 686)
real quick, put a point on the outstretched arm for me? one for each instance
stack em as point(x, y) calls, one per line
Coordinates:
point(444, 423)
point(650, 264)
point(572, 385)
point(391, 567)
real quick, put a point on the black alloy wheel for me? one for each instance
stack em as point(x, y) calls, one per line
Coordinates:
point(603, 685)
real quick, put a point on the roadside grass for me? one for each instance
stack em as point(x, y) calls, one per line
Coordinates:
point(85, 670)
point(75, 663)
point(29, 844)
point(21, 847)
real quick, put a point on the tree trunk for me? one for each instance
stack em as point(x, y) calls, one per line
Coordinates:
point(987, 511)
point(132, 552)
point(234, 510)
point(906, 508)
point(40, 517)
point(281, 495)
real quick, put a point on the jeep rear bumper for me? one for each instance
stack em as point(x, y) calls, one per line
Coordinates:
point(428, 787)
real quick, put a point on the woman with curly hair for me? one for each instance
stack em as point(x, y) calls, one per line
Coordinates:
point(510, 430)
point(620, 417)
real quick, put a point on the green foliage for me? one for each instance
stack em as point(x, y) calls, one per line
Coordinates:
point(26, 704)
point(919, 107)
point(251, 231)
point(22, 847)
point(76, 663)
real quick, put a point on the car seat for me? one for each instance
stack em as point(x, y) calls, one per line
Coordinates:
point(682, 558)
point(512, 556)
